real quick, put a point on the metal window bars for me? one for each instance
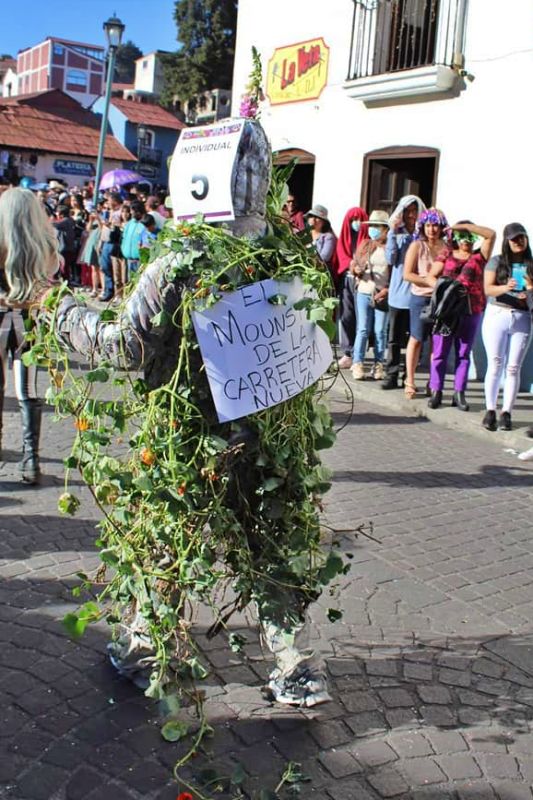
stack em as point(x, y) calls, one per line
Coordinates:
point(395, 35)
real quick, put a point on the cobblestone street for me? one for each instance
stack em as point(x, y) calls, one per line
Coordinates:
point(431, 666)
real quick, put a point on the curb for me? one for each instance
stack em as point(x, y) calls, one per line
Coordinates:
point(445, 416)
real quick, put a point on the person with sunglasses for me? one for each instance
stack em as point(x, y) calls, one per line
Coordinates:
point(506, 327)
point(460, 263)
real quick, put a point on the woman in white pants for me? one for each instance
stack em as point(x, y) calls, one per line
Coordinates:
point(506, 326)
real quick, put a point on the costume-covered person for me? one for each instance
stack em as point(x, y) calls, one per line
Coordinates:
point(132, 341)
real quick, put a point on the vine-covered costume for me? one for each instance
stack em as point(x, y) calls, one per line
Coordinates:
point(148, 334)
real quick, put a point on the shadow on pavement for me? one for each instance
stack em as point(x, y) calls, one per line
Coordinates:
point(436, 719)
point(490, 475)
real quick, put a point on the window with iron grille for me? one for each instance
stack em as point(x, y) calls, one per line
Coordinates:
point(396, 35)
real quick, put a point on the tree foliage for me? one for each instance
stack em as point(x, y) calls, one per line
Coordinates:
point(126, 55)
point(206, 32)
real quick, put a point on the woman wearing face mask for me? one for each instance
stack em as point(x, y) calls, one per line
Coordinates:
point(506, 326)
point(463, 265)
point(429, 243)
point(372, 279)
point(354, 231)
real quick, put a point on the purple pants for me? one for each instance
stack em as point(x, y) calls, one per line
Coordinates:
point(463, 341)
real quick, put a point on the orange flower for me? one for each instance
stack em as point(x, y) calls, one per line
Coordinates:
point(184, 796)
point(182, 489)
point(174, 424)
point(82, 424)
point(213, 476)
point(186, 231)
point(250, 270)
point(147, 456)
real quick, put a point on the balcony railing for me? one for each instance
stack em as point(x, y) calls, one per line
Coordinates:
point(397, 35)
point(150, 156)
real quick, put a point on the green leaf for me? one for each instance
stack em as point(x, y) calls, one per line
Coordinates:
point(266, 794)
point(108, 315)
point(272, 483)
point(30, 358)
point(333, 615)
point(316, 314)
point(238, 775)
point(161, 319)
point(109, 557)
point(198, 671)
point(174, 730)
point(68, 504)
point(143, 483)
point(74, 625)
point(328, 326)
point(99, 375)
point(278, 299)
point(236, 642)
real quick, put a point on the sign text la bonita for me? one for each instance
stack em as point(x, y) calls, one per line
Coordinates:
point(298, 72)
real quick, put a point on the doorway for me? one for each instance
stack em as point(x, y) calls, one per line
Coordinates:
point(302, 179)
point(392, 173)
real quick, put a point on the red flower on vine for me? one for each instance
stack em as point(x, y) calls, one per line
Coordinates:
point(184, 796)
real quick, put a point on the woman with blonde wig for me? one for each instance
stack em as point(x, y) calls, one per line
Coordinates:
point(28, 259)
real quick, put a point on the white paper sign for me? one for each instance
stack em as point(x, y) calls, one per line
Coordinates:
point(257, 354)
point(200, 171)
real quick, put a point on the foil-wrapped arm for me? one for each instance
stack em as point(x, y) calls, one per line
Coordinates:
point(132, 340)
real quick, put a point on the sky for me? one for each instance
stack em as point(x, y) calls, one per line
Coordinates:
point(149, 23)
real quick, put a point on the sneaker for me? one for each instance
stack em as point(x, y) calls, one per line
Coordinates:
point(345, 362)
point(379, 371)
point(304, 687)
point(489, 421)
point(504, 423)
point(358, 371)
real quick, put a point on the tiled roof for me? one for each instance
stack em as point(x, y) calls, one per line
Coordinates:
point(147, 114)
point(7, 63)
point(53, 122)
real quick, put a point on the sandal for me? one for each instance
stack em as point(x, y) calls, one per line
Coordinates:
point(409, 390)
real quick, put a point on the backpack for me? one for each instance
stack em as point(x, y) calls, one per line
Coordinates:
point(448, 305)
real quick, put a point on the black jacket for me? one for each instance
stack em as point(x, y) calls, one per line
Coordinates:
point(448, 305)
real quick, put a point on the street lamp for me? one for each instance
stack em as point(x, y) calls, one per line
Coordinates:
point(114, 29)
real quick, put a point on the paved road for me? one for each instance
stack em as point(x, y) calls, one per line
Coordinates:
point(431, 667)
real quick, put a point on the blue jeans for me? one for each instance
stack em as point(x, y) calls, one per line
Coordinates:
point(369, 318)
point(133, 266)
point(107, 268)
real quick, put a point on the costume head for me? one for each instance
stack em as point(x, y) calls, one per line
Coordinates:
point(250, 180)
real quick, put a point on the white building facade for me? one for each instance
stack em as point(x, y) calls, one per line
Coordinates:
point(380, 98)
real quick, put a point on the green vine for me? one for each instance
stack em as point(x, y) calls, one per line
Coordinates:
point(189, 504)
